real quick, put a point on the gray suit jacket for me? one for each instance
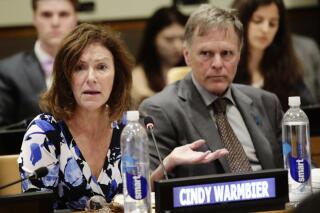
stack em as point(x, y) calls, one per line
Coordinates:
point(181, 117)
point(309, 55)
point(21, 82)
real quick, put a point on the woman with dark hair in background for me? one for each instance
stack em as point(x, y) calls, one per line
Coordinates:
point(161, 49)
point(267, 58)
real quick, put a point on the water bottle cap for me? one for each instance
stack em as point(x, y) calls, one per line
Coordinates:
point(294, 101)
point(132, 115)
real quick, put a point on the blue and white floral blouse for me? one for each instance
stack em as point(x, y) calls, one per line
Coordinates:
point(49, 143)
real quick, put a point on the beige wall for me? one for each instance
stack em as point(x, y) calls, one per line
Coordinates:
point(18, 12)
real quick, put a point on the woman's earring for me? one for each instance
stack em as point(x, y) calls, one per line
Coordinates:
point(114, 124)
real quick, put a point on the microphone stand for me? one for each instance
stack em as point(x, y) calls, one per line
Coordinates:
point(159, 156)
point(15, 182)
point(38, 173)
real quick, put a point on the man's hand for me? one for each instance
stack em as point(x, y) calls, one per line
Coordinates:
point(186, 154)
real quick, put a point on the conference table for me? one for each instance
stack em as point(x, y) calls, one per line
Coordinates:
point(119, 200)
point(276, 211)
point(26, 201)
point(270, 178)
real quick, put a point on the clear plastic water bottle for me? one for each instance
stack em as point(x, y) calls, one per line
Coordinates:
point(135, 166)
point(296, 151)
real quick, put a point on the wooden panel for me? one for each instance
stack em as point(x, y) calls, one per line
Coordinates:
point(305, 21)
point(315, 150)
point(15, 39)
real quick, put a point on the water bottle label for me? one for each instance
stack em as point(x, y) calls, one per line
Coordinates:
point(128, 164)
point(137, 186)
point(299, 169)
point(286, 148)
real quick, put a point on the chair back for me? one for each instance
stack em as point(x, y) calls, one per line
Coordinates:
point(315, 150)
point(177, 73)
point(9, 172)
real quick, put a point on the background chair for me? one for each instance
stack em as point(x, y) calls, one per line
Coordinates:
point(177, 73)
point(315, 150)
point(9, 172)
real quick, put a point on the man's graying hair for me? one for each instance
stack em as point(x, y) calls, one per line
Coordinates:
point(207, 17)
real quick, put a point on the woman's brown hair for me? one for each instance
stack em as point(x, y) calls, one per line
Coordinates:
point(59, 99)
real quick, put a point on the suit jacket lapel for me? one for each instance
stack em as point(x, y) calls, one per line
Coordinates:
point(199, 116)
point(255, 125)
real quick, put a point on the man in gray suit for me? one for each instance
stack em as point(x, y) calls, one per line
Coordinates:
point(183, 111)
point(25, 75)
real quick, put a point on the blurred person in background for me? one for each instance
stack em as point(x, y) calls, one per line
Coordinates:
point(25, 75)
point(268, 60)
point(309, 54)
point(161, 49)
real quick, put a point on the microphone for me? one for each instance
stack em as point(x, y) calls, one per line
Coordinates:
point(16, 126)
point(148, 122)
point(38, 173)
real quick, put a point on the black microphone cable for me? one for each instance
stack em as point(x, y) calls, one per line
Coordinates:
point(38, 173)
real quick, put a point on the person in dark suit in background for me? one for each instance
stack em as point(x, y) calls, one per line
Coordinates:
point(268, 60)
point(309, 54)
point(25, 75)
point(183, 110)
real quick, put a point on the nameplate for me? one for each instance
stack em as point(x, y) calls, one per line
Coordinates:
point(254, 191)
point(224, 192)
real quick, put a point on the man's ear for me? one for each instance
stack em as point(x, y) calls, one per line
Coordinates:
point(186, 54)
